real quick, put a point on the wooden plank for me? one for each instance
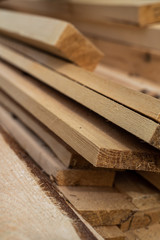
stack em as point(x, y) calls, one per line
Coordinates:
point(59, 37)
point(144, 197)
point(129, 12)
point(67, 155)
point(106, 205)
point(152, 232)
point(141, 37)
point(137, 61)
point(49, 162)
point(110, 232)
point(152, 178)
point(29, 198)
point(144, 104)
point(131, 121)
point(96, 140)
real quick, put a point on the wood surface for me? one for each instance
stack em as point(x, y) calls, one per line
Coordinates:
point(151, 232)
point(152, 178)
point(106, 205)
point(52, 35)
point(133, 122)
point(65, 154)
point(128, 12)
point(110, 232)
point(137, 61)
point(98, 141)
point(143, 196)
point(28, 198)
point(46, 159)
point(147, 37)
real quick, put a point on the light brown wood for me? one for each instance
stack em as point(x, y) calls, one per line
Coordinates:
point(66, 155)
point(131, 121)
point(99, 142)
point(152, 178)
point(137, 61)
point(57, 37)
point(28, 198)
point(128, 12)
point(151, 232)
point(99, 206)
point(45, 158)
point(110, 232)
point(143, 196)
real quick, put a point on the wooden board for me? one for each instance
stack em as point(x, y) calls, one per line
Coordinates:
point(29, 198)
point(45, 158)
point(66, 155)
point(98, 141)
point(141, 37)
point(144, 104)
point(151, 232)
point(152, 178)
point(128, 12)
point(137, 124)
point(110, 232)
point(137, 61)
point(106, 205)
point(58, 37)
point(143, 196)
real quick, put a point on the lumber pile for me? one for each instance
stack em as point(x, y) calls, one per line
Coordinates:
point(86, 141)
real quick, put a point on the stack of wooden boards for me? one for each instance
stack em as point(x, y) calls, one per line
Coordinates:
point(80, 128)
point(120, 28)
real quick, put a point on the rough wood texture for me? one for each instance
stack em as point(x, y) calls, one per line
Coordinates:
point(151, 232)
point(67, 155)
point(143, 196)
point(128, 12)
point(110, 232)
point(99, 142)
point(59, 37)
point(99, 206)
point(152, 178)
point(137, 61)
point(28, 198)
point(49, 162)
point(126, 118)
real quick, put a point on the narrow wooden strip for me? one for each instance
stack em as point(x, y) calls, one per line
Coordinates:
point(28, 198)
point(131, 121)
point(48, 161)
point(128, 12)
point(152, 178)
point(99, 142)
point(137, 101)
point(106, 205)
point(58, 37)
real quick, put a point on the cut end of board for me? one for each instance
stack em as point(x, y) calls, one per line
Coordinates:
point(119, 160)
point(155, 141)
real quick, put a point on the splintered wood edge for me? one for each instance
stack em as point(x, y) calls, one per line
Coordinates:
point(149, 161)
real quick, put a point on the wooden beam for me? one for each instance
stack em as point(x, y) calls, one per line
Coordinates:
point(59, 37)
point(45, 158)
point(110, 233)
point(106, 205)
point(98, 141)
point(128, 12)
point(28, 194)
point(131, 121)
point(152, 178)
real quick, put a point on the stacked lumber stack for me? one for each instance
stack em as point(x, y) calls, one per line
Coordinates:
point(85, 131)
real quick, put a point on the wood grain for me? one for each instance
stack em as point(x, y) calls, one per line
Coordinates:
point(58, 37)
point(131, 121)
point(99, 142)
